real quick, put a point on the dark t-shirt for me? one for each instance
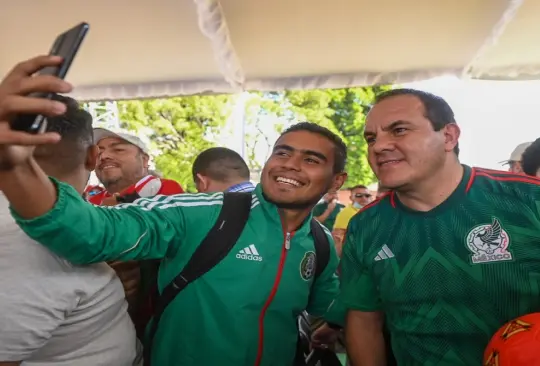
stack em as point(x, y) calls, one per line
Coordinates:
point(447, 279)
point(331, 219)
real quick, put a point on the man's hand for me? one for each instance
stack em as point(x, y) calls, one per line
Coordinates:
point(23, 182)
point(324, 337)
point(16, 147)
point(130, 275)
point(331, 206)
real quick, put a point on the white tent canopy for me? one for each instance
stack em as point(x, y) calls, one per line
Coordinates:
point(144, 48)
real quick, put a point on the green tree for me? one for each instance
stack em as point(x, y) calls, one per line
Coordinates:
point(178, 128)
point(343, 111)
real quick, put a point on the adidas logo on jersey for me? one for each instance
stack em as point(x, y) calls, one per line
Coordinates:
point(384, 253)
point(249, 253)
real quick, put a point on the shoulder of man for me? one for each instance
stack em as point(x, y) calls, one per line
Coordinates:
point(372, 211)
point(513, 186)
point(170, 187)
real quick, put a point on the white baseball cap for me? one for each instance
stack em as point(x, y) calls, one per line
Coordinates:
point(516, 154)
point(101, 133)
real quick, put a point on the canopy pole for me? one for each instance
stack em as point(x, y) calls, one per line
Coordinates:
point(496, 32)
point(213, 25)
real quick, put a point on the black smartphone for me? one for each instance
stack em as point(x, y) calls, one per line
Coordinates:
point(66, 45)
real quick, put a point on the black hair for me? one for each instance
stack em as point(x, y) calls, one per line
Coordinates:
point(340, 149)
point(530, 159)
point(438, 111)
point(358, 186)
point(75, 128)
point(221, 164)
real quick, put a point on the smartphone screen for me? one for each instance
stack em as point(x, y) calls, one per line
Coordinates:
point(66, 45)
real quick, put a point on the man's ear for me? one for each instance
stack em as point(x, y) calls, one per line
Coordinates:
point(451, 136)
point(91, 158)
point(202, 183)
point(339, 181)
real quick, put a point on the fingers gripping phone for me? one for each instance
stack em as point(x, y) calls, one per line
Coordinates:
point(66, 46)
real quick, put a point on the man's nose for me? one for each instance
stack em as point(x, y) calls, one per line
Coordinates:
point(382, 143)
point(293, 163)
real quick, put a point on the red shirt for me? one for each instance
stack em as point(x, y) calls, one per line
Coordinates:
point(148, 186)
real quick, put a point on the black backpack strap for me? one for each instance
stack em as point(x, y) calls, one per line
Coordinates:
point(322, 247)
point(215, 246)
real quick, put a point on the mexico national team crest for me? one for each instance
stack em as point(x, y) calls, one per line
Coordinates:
point(489, 243)
point(307, 266)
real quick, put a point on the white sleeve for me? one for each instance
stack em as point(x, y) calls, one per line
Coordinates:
point(33, 300)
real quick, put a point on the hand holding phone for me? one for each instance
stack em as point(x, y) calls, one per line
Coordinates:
point(66, 46)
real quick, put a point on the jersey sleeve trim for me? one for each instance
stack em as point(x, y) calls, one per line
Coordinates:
point(507, 176)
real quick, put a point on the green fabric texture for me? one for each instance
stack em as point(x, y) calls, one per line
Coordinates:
point(447, 279)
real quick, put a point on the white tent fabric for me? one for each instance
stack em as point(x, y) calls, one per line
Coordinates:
point(143, 48)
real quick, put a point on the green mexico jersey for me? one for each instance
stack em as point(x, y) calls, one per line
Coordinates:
point(447, 279)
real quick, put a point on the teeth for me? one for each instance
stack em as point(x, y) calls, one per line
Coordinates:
point(289, 181)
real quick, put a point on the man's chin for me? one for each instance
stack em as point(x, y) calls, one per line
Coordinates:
point(290, 204)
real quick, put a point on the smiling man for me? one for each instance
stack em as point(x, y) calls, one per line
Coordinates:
point(243, 311)
point(449, 255)
point(122, 168)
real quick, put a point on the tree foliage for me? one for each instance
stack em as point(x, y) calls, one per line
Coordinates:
point(343, 111)
point(178, 128)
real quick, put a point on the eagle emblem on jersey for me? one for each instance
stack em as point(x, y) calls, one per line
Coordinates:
point(307, 266)
point(489, 243)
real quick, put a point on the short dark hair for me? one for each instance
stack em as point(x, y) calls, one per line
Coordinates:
point(221, 164)
point(358, 186)
point(530, 159)
point(438, 111)
point(75, 128)
point(340, 149)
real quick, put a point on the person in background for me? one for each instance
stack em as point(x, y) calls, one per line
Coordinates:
point(530, 160)
point(514, 163)
point(92, 190)
point(327, 210)
point(55, 312)
point(155, 173)
point(448, 256)
point(122, 168)
point(219, 169)
point(360, 196)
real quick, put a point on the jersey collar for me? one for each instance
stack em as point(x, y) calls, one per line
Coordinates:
point(272, 214)
point(455, 198)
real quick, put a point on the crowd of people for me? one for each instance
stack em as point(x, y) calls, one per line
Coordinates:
point(136, 271)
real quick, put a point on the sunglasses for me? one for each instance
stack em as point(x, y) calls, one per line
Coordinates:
point(362, 195)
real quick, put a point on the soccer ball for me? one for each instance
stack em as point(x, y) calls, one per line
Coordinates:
point(517, 343)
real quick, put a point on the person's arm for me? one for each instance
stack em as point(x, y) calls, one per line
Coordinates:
point(364, 338)
point(363, 328)
point(83, 233)
point(321, 217)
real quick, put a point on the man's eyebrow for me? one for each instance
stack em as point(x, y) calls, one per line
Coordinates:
point(305, 152)
point(395, 124)
point(388, 127)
